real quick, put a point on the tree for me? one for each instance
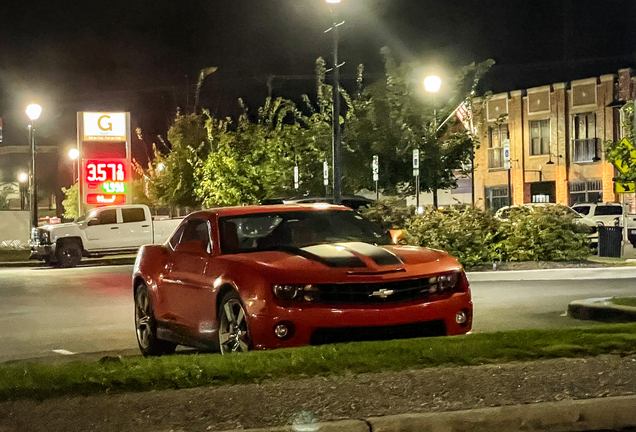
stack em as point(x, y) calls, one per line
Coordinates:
point(623, 155)
point(71, 202)
point(391, 118)
point(172, 175)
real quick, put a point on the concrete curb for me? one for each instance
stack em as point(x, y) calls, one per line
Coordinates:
point(85, 262)
point(601, 309)
point(577, 415)
point(554, 274)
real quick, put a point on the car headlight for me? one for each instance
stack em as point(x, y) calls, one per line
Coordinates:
point(443, 283)
point(295, 292)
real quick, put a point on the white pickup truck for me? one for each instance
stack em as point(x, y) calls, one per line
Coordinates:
point(102, 231)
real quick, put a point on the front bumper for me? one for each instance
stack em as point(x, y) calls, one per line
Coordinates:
point(41, 252)
point(311, 323)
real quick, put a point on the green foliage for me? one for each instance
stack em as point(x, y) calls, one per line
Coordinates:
point(389, 213)
point(136, 374)
point(71, 202)
point(474, 236)
point(467, 233)
point(172, 176)
point(4, 202)
point(617, 153)
point(543, 234)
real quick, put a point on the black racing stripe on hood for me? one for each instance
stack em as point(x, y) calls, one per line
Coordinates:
point(379, 255)
point(332, 256)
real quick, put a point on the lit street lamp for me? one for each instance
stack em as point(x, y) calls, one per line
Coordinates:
point(432, 83)
point(336, 147)
point(33, 111)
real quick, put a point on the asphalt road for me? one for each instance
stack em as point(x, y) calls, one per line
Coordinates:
point(54, 312)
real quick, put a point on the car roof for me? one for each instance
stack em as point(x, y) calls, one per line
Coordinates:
point(256, 209)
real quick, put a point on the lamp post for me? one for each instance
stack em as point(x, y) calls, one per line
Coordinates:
point(23, 179)
point(336, 147)
point(73, 154)
point(33, 111)
point(432, 84)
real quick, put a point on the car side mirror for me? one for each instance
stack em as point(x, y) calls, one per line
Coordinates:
point(93, 222)
point(396, 235)
point(193, 247)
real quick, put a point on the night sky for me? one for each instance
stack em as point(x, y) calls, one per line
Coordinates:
point(140, 55)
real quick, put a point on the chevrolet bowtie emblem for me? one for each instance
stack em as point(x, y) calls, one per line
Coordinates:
point(383, 293)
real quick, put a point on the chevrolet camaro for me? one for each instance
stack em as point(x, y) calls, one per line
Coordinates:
point(266, 277)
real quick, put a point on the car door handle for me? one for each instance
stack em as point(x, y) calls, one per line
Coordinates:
point(114, 228)
point(145, 226)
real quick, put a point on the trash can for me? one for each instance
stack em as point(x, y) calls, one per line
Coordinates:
point(610, 240)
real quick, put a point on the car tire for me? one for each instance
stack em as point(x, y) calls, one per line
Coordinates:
point(146, 326)
point(234, 330)
point(68, 254)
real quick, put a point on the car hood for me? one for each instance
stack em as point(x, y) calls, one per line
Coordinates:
point(62, 225)
point(341, 260)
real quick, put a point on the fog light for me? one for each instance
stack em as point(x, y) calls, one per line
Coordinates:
point(461, 318)
point(281, 331)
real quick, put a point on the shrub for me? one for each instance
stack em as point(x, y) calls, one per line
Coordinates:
point(467, 233)
point(543, 234)
point(389, 213)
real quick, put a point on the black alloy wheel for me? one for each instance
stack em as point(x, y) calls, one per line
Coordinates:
point(146, 326)
point(234, 332)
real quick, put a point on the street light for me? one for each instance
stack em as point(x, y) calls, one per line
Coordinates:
point(23, 177)
point(73, 154)
point(432, 83)
point(33, 111)
point(336, 147)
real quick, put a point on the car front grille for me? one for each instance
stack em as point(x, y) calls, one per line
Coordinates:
point(323, 336)
point(374, 293)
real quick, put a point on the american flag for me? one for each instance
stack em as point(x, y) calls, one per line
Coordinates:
point(464, 115)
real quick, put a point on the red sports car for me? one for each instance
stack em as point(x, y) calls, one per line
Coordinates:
point(235, 279)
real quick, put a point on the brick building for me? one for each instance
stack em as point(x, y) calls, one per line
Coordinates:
point(556, 135)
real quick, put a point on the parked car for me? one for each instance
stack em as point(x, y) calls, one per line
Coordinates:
point(102, 231)
point(600, 213)
point(266, 277)
point(352, 201)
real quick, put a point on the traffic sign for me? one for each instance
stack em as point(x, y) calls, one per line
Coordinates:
point(325, 173)
point(625, 187)
point(375, 166)
point(506, 150)
point(620, 165)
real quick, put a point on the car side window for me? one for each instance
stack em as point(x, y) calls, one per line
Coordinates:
point(107, 217)
point(197, 230)
point(130, 215)
point(584, 210)
point(176, 237)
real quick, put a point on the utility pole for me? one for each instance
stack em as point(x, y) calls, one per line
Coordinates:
point(416, 174)
point(337, 130)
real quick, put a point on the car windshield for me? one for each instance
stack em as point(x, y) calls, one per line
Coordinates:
point(85, 216)
point(584, 210)
point(267, 231)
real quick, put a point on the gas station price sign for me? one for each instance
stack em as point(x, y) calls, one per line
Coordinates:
point(106, 181)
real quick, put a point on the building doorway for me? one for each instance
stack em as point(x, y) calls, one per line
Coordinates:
point(543, 192)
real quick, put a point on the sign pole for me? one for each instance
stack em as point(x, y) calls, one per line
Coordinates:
point(416, 174)
point(376, 175)
point(325, 175)
point(506, 155)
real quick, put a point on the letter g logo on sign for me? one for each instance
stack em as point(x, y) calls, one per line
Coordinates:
point(100, 123)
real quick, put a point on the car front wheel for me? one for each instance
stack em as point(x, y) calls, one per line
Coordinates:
point(234, 332)
point(146, 326)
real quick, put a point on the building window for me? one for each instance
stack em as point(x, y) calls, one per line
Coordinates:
point(590, 191)
point(585, 142)
point(497, 197)
point(539, 137)
point(496, 137)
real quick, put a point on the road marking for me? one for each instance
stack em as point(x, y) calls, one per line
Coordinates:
point(63, 352)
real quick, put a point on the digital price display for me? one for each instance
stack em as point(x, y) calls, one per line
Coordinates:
point(106, 181)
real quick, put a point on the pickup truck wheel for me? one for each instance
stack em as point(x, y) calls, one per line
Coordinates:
point(146, 326)
point(69, 254)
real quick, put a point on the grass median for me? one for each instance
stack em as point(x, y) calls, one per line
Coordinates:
point(39, 381)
